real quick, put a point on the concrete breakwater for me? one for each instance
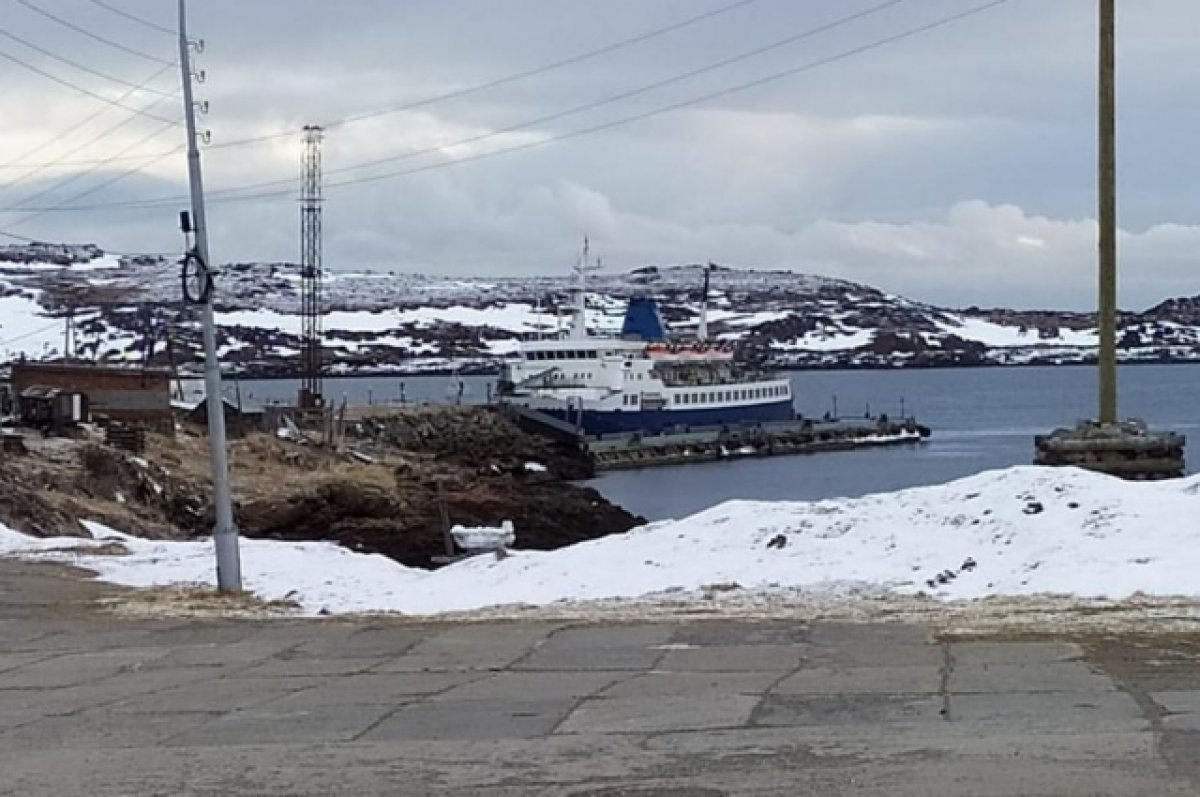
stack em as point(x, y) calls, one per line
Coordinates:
point(803, 436)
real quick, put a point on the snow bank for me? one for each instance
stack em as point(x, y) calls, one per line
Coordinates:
point(1016, 532)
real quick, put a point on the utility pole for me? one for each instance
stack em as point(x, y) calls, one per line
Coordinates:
point(1127, 449)
point(225, 535)
point(69, 337)
point(1108, 214)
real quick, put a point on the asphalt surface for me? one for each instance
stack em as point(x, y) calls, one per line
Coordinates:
point(92, 704)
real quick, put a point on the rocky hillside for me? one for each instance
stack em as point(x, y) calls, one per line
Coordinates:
point(129, 310)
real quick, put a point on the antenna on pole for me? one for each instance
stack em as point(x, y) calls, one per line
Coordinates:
point(311, 267)
point(702, 329)
point(197, 268)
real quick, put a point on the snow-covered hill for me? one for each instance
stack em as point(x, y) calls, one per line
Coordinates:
point(124, 307)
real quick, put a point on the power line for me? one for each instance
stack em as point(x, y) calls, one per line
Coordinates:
point(103, 134)
point(775, 45)
point(512, 78)
point(26, 239)
point(491, 84)
point(808, 66)
point(133, 17)
point(69, 62)
point(77, 87)
point(56, 324)
point(875, 44)
point(80, 175)
point(808, 33)
point(93, 35)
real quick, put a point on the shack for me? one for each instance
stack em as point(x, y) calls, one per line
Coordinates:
point(239, 418)
point(52, 409)
point(135, 396)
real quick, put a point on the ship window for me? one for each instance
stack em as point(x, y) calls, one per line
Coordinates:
point(712, 397)
point(592, 354)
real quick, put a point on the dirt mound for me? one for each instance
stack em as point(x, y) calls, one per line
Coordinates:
point(60, 482)
point(470, 436)
point(385, 497)
point(405, 522)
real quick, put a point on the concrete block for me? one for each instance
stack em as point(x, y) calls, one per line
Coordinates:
point(535, 686)
point(271, 725)
point(1050, 676)
point(922, 680)
point(471, 647)
point(681, 684)
point(653, 714)
point(472, 720)
point(733, 658)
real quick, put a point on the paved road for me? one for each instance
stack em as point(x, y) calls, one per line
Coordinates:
point(94, 705)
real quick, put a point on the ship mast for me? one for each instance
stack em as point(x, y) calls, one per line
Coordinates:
point(702, 329)
point(579, 324)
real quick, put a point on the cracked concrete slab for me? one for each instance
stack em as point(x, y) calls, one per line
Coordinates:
point(674, 708)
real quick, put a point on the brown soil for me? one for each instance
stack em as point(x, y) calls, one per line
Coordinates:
point(390, 505)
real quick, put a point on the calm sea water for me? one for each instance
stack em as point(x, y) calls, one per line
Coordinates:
point(981, 419)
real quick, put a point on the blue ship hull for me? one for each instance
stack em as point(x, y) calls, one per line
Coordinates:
point(653, 421)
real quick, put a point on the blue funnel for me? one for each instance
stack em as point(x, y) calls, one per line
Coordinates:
point(642, 321)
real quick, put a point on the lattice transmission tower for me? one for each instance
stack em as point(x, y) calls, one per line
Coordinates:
point(310, 267)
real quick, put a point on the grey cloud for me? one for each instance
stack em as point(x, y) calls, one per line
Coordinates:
point(915, 166)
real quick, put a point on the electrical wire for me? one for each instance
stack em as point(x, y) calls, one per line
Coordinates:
point(26, 239)
point(76, 86)
point(57, 323)
point(84, 145)
point(71, 63)
point(230, 193)
point(13, 164)
point(512, 78)
point(845, 54)
point(624, 95)
point(80, 175)
point(92, 34)
point(808, 66)
point(135, 18)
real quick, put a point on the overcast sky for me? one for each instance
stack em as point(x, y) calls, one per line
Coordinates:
point(956, 166)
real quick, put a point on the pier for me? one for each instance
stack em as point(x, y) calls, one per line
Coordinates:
point(708, 444)
point(1127, 449)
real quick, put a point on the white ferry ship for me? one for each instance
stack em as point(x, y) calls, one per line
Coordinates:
point(641, 381)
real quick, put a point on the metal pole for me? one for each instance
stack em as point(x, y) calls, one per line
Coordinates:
point(225, 535)
point(1108, 214)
